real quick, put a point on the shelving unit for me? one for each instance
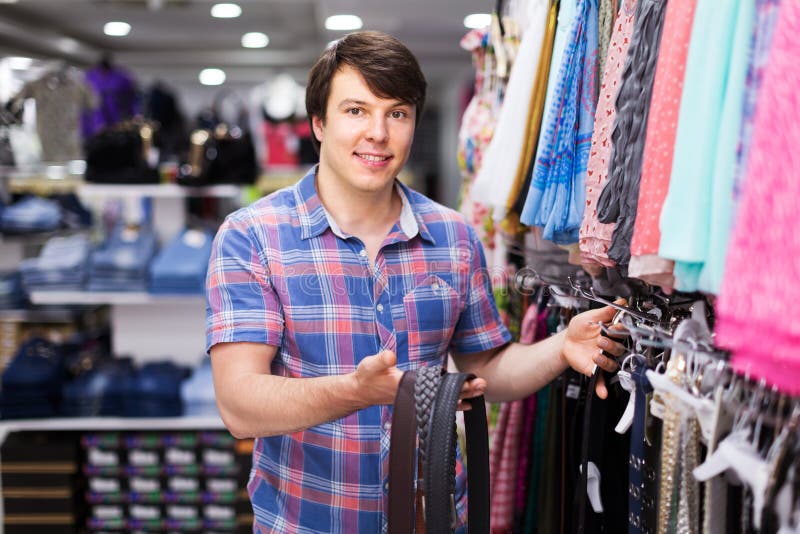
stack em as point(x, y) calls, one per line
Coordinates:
point(111, 423)
point(111, 298)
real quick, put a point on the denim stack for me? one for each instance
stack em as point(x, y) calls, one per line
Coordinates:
point(99, 391)
point(197, 392)
point(12, 296)
point(60, 265)
point(31, 214)
point(31, 384)
point(181, 266)
point(155, 391)
point(123, 261)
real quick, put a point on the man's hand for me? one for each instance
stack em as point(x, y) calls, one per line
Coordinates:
point(583, 345)
point(377, 378)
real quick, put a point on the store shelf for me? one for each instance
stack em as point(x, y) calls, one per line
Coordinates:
point(109, 297)
point(111, 423)
point(59, 315)
point(158, 191)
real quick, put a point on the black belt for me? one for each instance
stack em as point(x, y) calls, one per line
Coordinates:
point(429, 391)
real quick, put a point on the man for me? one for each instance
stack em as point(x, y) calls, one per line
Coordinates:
point(322, 294)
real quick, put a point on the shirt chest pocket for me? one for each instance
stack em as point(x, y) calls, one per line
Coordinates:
point(432, 310)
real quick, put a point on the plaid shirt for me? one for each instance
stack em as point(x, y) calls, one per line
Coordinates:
point(282, 273)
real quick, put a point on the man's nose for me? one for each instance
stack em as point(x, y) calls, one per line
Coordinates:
point(378, 130)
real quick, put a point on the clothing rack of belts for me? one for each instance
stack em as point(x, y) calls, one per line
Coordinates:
point(709, 449)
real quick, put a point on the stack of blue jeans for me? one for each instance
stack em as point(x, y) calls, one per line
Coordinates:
point(122, 263)
point(99, 391)
point(31, 214)
point(155, 391)
point(197, 392)
point(31, 384)
point(60, 265)
point(181, 266)
point(12, 296)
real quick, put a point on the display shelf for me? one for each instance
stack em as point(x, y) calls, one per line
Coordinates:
point(60, 315)
point(109, 297)
point(158, 190)
point(111, 423)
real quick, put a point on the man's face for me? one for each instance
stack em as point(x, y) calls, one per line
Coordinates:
point(365, 140)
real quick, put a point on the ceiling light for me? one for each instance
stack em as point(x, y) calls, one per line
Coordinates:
point(19, 63)
point(343, 22)
point(8, 1)
point(212, 76)
point(255, 40)
point(477, 21)
point(117, 29)
point(226, 11)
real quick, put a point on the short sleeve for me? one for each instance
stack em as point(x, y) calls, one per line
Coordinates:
point(479, 327)
point(241, 303)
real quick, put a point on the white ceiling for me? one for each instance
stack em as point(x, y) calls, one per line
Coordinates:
point(174, 39)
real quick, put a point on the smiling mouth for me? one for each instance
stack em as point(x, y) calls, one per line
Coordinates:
point(372, 158)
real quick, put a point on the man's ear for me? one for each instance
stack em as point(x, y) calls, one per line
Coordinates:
point(318, 126)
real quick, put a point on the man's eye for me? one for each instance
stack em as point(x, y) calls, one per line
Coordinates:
point(398, 114)
point(354, 111)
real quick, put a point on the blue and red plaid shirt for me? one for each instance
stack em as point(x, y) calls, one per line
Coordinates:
point(283, 273)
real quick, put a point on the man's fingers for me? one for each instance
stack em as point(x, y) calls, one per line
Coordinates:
point(464, 406)
point(473, 388)
point(605, 363)
point(388, 358)
point(600, 388)
point(611, 346)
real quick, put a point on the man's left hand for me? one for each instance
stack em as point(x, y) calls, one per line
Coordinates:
point(584, 344)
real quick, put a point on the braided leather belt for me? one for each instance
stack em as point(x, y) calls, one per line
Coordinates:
point(426, 404)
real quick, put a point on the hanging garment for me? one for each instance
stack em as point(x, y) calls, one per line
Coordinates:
point(477, 129)
point(595, 237)
point(515, 200)
point(620, 196)
point(556, 196)
point(766, 14)
point(116, 90)
point(720, 217)
point(659, 144)
point(699, 200)
point(60, 98)
point(605, 23)
point(760, 292)
point(497, 172)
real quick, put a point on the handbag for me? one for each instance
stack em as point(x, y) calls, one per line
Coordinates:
point(425, 407)
point(224, 154)
point(119, 154)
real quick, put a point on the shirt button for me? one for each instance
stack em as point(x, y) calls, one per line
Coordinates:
point(386, 486)
point(387, 426)
point(380, 307)
point(435, 287)
point(363, 253)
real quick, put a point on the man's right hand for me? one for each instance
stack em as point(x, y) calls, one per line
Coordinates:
point(377, 378)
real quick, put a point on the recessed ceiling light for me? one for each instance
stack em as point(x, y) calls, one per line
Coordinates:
point(117, 29)
point(212, 76)
point(477, 21)
point(19, 63)
point(343, 22)
point(226, 11)
point(255, 40)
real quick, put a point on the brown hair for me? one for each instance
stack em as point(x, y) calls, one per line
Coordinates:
point(387, 65)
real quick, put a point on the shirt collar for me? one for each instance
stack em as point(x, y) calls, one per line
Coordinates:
point(315, 219)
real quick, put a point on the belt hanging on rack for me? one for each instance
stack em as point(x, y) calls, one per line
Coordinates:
point(426, 400)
